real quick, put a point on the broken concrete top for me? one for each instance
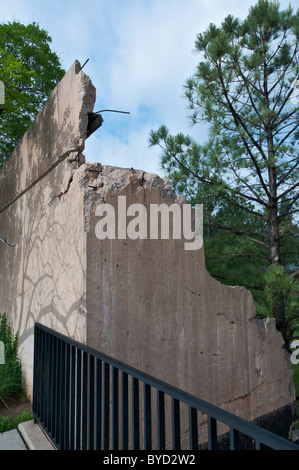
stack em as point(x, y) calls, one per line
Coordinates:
point(106, 179)
point(58, 130)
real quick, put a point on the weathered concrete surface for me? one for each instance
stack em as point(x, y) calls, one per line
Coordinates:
point(58, 131)
point(153, 305)
point(44, 277)
point(12, 440)
point(149, 303)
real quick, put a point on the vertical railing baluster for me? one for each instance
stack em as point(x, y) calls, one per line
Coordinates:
point(125, 412)
point(147, 417)
point(91, 404)
point(115, 405)
point(135, 405)
point(46, 376)
point(58, 394)
point(212, 433)
point(84, 400)
point(67, 397)
point(78, 401)
point(42, 388)
point(72, 397)
point(39, 375)
point(234, 439)
point(106, 435)
point(46, 379)
point(51, 399)
point(176, 426)
point(36, 372)
point(161, 420)
point(99, 404)
point(51, 380)
point(62, 394)
point(54, 387)
point(257, 445)
point(193, 428)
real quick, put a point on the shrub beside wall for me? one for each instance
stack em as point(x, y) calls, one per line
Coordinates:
point(11, 370)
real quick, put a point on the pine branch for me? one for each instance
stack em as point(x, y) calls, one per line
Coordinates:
point(241, 233)
point(216, 183)
point(291, 318)
point(239, 122)
point(287, 191)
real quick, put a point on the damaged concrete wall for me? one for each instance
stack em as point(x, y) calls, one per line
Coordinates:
point(148, 302)
point(43, 278)
point(152, 304)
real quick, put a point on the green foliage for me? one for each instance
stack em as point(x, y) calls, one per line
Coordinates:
point(246, 174)
point(29, 71)
point(11, 370)
point(7, 423)
point(277, 284)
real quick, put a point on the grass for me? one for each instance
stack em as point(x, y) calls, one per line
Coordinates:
point(11, 380)
point(7, 423)
point(11, 383)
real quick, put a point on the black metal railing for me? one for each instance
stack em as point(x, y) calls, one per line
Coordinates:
point(86, 400)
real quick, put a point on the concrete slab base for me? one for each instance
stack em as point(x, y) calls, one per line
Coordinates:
point(11, 440)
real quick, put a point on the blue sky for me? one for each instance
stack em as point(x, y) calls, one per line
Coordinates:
point(140, 54)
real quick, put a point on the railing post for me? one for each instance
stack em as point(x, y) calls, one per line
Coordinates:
point(35, 373)
point(193, 428)
point(161, 420)
point(115, 408)
point(98, 404)
point(47, 381)
point(147, 417)
point(67, 398)
point(234, 439)
point(212, 433)
point(73, 397)
point(78, 401)
point(106, 406)
point(176, 427)
point(125, 412)
point(84, 400)
point(91, 404)
point(59, 394)
point(54, 387)
point(135, 398)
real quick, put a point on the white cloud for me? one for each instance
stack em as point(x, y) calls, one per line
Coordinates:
point(132, 153)
point(140, 56)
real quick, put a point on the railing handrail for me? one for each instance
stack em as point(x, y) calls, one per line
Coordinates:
point(237, 423)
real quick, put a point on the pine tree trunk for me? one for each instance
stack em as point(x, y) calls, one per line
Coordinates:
point(279, 306)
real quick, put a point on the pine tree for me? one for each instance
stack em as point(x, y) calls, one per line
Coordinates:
point(246, 174)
